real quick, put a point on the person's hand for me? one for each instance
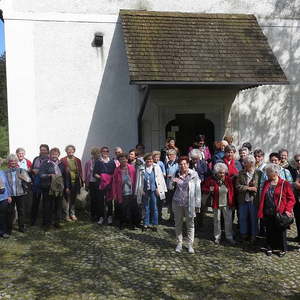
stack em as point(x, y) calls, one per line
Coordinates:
point(211, 188)
point(35, 171)
point(197, 210)
point(177, 180)
point(157, 193)
point(67, 190)
point(9, 199)
point(297, 185)
point(289, 214)
point(252, 189)
point(143, 193)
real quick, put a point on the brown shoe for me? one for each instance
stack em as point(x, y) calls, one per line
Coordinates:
point(73, 218)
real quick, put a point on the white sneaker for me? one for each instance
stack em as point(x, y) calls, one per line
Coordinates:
point(191, 249)
point(100, 222)
point(178, 248)
point(109, 220)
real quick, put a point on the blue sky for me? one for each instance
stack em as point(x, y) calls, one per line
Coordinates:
point(2, 47)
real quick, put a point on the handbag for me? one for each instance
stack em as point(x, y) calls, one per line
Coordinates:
point(283, 221)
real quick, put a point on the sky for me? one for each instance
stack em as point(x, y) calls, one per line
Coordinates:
point(2, 47)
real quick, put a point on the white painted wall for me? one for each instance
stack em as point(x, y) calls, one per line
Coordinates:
point(56, 75)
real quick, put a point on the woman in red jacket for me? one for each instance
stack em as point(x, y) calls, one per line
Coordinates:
point(220, 187)
point(123, 186)
point(275, 189)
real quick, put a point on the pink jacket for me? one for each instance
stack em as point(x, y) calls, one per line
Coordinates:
point(117, 184)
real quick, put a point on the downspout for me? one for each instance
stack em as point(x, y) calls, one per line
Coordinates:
point(141, 113)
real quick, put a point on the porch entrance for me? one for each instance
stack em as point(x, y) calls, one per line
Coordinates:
point(185, 127)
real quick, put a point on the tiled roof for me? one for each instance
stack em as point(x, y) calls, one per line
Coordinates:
point(198, 48)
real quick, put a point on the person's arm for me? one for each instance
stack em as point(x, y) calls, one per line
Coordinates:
point(97, 169)
point(290, 198)
point(197, 193)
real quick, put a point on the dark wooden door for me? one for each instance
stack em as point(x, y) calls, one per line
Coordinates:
point(187, 126)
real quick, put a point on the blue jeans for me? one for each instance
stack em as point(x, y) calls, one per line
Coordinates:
point(248, 218)
point(150, 206)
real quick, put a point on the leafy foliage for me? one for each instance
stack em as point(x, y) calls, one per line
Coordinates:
point(3, 109)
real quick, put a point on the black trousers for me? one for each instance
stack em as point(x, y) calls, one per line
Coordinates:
point(4, 216)
point(55, 205)
point(95, 200)
point(159, 203)
point(19, 202)
point(47, 208)
point(169, 198)
point(36, 198)
point(276, 238)
point(297, 217)
point(129, 211)
point(103, 204)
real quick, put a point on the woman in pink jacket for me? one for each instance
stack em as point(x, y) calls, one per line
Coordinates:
point(123, 187)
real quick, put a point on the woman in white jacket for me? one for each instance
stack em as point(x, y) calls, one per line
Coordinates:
point(186, 202)
point(150, 184)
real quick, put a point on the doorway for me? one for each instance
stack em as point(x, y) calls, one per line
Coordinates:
point(185, 127)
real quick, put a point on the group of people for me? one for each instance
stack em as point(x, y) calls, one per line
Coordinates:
point(131, 189)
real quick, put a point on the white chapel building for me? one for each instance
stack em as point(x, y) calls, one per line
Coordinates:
point(115, 73)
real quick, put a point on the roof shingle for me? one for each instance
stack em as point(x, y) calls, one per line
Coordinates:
point(198, 48)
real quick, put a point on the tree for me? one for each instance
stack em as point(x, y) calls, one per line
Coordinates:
point(3, 108)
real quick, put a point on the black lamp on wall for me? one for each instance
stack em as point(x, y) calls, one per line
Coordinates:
point(98, 40)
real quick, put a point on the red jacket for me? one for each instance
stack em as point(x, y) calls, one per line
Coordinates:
point(117, 182)
point(211, 181)
point(287, 200)
point(78, 164)
point(232, 170)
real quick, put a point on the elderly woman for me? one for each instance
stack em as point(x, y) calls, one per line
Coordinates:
point(123, 186)
point(243, 153)
point(171, 170)
point(103, 171)
point(186, 202)
point(74, 169)
point(276, 196)
point(199, 165)
point(199, 143)
point(219, 151)
point(170, 144)
point(54, 181)
point(91, 184)
point(248, 187)
point(295, 172)
point(234, 166)
point(283, 173)
point(18, 180)
point(150, 184)
point(156, 159)
point(221, 189)
point(5, 203)
point(23, 162)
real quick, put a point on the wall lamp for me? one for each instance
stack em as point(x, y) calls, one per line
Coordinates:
point(98, 40)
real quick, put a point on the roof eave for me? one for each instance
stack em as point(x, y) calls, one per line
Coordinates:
point(209, 83)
